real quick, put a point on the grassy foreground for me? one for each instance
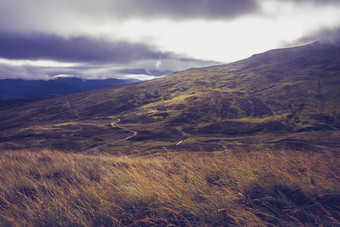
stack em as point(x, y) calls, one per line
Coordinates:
point(49, 188)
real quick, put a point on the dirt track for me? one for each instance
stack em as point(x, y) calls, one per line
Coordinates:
point(95, 150)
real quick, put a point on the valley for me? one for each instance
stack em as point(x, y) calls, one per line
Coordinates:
point(286, 98)
point(154, 113)
point(250, 143)
point(97, 149)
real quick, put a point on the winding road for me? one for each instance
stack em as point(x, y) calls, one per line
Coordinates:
point(95, 150)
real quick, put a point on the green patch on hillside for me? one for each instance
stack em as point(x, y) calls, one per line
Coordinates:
point(280, 92)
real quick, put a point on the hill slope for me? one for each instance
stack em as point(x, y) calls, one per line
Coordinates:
point(280, 98)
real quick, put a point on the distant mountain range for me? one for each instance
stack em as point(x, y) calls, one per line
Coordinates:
point(285, 98)
point(38, 89)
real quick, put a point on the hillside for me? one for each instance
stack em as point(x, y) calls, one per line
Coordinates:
point(281, 98)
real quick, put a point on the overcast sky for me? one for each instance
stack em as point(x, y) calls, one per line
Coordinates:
point(143, 39)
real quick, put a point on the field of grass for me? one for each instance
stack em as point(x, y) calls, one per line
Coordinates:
point(281, 188)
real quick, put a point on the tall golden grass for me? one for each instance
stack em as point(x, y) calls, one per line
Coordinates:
point(281, 188)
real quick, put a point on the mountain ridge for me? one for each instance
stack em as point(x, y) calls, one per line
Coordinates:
point(11, 89)
point(280, 98)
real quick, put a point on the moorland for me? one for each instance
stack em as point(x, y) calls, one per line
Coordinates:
point(250, 143)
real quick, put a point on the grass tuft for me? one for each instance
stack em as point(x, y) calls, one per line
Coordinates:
point(50, 188)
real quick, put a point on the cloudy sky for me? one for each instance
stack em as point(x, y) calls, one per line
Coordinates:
point(43, 39)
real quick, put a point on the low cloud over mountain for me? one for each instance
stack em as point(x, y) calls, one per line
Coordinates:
point(100, 39)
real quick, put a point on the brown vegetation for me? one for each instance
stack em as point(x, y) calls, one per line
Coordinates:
point(49, 188)
point(286, 98)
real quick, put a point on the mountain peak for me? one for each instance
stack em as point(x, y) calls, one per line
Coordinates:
point(281, 98)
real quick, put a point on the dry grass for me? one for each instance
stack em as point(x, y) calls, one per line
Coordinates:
point(50, 188)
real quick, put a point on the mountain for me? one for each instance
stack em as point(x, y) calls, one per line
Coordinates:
point(37, 89)
point(285, 98)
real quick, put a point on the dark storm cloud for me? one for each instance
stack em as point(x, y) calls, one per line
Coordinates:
point(21, 13)
point(76, 49)
point(188, 9)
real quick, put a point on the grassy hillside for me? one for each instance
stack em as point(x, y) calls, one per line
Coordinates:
point(287, 98)
point(284, 188)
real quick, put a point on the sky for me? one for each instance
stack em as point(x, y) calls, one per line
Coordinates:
point(145, 39)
